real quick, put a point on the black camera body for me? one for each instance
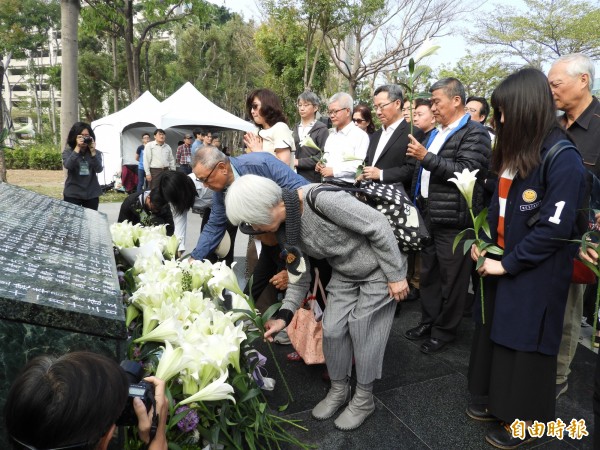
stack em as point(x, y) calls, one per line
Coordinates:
point(88, 140)
point(137, 389)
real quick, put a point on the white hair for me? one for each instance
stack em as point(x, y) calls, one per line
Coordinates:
point(251, 199)
point(345, 100)
point(577, 64)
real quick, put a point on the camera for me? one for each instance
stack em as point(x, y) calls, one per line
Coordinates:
point(88, 140)
point(137, 389)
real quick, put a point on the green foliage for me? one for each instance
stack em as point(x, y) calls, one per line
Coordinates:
point(43, 157)
point(281, 43)
point(478, 73)
point(547, 30)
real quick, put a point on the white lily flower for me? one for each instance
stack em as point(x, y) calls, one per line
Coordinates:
point(170, 247)
point(308, 142)
point(170, 330)
point(171, 362)
point(427, 48)
point(465, 182)
point(240, 303)
point(217, 390)
point(223, 277)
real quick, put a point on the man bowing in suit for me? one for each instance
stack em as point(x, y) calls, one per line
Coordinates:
point(386, 160)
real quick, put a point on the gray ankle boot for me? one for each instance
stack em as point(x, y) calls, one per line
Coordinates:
point(338, 396)
point(360, 407)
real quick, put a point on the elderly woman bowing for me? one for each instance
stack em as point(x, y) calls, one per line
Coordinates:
point(368, 277)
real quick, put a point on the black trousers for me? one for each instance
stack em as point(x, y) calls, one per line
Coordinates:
point(91, 203)
point(444, 281)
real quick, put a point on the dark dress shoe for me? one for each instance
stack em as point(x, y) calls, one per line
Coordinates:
point(501, 437)
point(421, 331)
point(432, 345)
point(413, 295)
point(479, 412)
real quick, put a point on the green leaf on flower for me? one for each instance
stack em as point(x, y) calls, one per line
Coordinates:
point(262, 407)
point(269, 312)
point(480, 262)
point(458, 238)
point(406, 87)
point(418, 72)
point(594, 268)
point(249, 395)
point(424, 95)
point(467, 245)
point(174, 420)
point(411, 66)
point(494, 250)
point(283, 407)
point(480, 220)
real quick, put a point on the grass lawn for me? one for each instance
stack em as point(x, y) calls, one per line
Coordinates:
point(50, 183)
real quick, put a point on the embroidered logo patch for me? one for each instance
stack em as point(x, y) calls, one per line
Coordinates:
point(529, 196)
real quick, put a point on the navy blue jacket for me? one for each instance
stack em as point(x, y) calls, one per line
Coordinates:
point(531, 297)
point(256, 163)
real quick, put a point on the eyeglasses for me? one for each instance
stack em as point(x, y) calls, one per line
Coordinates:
point(470, 110)
point(358, 120)
point(255, 106)
point(380, 107)
point(334, 112)
point(206, 178)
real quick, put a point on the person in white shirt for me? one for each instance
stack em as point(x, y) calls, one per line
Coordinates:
point(346, 147)
point(158, 157)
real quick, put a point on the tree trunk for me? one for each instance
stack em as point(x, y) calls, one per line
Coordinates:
point(129, 50)
point(2, 113)
point(69, 111)
point(115, 63)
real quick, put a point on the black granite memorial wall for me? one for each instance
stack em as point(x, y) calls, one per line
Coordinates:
point(59, 289)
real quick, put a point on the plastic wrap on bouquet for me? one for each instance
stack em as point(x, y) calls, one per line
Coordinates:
point(149, 249)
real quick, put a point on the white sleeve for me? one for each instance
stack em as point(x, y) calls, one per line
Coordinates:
point(180, 221)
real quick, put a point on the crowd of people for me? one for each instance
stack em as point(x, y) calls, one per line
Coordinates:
point(526, 337)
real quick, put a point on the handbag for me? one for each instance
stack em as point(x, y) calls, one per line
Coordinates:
point(305, 331)
point(390, 200)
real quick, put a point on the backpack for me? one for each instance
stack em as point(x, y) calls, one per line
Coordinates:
point(585, 216)
point(389, 199)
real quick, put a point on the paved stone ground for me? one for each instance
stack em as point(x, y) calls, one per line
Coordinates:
point(420, 400)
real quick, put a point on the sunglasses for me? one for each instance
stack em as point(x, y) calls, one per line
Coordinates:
point(358, 120)
point(255, 106)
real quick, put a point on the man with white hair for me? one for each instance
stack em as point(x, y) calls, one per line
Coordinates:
point(571, 78)
point(347, 145)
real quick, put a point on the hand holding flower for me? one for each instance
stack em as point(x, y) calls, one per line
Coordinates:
point(491, 267)
point(280, 280)
point(415, 149)
point(589, 254)
point(273, 326)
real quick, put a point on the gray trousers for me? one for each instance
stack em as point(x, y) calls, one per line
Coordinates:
point(357, 322)
point(571, 332)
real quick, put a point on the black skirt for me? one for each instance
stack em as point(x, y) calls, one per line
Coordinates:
point(514, 384)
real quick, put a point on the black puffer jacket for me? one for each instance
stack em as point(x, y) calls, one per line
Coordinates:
point(468, 148)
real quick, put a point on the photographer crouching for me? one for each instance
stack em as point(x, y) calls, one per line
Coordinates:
point(75, 402)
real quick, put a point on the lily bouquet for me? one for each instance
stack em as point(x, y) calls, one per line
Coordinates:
point(182, 332)
point(132, 240)
point(465, 182)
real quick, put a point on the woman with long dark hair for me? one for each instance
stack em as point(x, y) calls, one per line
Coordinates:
point(273, 134)
point(363, 118)
point(83, 162)
point(512, 371)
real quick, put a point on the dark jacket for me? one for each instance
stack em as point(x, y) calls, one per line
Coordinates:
point(397, 167)
point(82, 169)
point(468, 147)
point(531, 297)
point(306, 165)
point(134, 210)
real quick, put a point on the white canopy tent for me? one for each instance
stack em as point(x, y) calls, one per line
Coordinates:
point(118, 135)
point(188, 108)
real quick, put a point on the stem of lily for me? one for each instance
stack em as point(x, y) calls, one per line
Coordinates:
point(480, 277)
point(287, 388)
point(596, 314)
